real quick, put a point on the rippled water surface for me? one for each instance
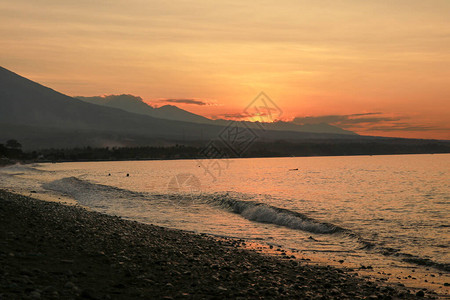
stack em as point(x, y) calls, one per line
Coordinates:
point(386, 210)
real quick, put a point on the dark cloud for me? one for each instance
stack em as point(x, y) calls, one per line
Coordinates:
point(341, 119)
point(123, 96)
point(108, 98)
point(232, 116)
point(407, 127)
point(372, 121)
point(186, 101)
point(239, 116)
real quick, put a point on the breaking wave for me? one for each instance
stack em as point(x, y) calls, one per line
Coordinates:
point(91, 194)
point(19, 169)
point(263, 213)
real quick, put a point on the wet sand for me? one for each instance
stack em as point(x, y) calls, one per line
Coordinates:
point(52, 251)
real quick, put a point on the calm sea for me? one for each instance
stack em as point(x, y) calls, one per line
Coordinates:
point(389, 212)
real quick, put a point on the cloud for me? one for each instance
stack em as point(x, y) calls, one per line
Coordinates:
point(233, 116)
point(407, 127)
point(186, 101)
point(244, 116)
point(108, 98)
point(341, 119)
point(372, 121)
point(123, 96)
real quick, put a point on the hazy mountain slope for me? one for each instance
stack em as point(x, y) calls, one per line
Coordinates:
point(125, 102)
point(172, 112)
point(24, 102)
point(136, 105)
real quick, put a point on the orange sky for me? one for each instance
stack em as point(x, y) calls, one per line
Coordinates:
point(375, 67)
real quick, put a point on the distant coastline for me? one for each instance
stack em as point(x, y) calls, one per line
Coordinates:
point(258, 149)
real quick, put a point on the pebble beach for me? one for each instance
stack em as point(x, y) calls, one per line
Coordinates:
point(52, 251)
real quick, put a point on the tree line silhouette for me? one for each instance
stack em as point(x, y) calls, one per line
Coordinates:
point(11, 151)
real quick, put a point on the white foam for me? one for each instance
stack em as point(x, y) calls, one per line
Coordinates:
point(259, 212)
point(265, 214)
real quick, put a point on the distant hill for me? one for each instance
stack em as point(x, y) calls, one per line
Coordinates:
point(40, 117)
point(135, 104)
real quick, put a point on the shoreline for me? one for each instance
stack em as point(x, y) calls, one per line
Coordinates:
point(51, 250)
point(27, 162)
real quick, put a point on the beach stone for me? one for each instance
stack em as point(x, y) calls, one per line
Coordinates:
point(54, 294)
point(88, 294)
point(70, 285)
point(420, 294)
point(25, 272)
point(119, 285)
point(334, 292)
point(49, 289)
point(35, 295)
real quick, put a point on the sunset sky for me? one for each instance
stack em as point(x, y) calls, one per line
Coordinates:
point(374, 67)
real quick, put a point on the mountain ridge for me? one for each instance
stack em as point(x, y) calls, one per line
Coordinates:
point(135, 104)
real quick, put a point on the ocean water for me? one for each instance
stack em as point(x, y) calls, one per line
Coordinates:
point(389, 212)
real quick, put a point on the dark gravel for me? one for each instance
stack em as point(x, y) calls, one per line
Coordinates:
point(53, 251)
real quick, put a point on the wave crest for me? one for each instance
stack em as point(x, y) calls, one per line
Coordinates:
point(263, 213)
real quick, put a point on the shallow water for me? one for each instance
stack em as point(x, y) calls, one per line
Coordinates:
point(384, 211)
